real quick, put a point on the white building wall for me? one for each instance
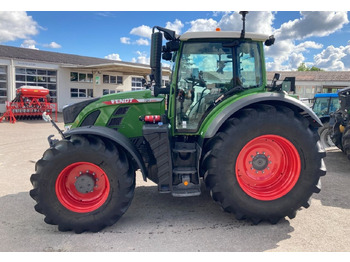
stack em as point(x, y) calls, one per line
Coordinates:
point(12, 64)
point(7, 63)
point(64, 83)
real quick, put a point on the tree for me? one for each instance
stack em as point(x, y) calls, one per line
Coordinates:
point(303, 67)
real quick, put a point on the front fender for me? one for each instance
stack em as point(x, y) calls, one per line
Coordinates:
point(268, 98)
point(116, 137)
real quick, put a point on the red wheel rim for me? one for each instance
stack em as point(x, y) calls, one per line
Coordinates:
point(268, 167)
point(82, 187)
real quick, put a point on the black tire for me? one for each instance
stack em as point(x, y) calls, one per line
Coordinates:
point(223, 173)
point(337, 136)
point(83, 184)
point(346, 141)
point(324, 133)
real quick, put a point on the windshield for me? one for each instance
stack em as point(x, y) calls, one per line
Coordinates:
point(209, 70)
point(321, 106)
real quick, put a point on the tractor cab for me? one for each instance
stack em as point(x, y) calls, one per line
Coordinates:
point(209, 68)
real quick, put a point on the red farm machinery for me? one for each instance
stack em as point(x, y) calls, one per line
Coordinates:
point(30, 103)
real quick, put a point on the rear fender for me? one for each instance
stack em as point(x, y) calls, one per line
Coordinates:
point(114, 136)
point(267, 98)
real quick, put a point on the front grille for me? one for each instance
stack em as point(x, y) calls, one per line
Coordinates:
point(71, 112)
point(115, 121)
point(121, 111)
point(91, 118)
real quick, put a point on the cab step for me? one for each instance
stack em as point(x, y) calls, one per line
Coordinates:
point(186, 188)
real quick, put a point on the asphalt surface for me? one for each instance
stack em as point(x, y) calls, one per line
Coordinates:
point(158, 222)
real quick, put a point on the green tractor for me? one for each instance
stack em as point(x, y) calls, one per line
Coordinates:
point(256, 148)
point(340, 122)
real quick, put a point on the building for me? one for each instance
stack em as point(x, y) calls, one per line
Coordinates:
point(309, 83)
point(70, 78)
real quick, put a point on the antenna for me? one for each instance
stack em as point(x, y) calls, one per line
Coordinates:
point(243, 13)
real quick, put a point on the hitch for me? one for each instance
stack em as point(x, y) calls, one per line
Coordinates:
point(47, 118)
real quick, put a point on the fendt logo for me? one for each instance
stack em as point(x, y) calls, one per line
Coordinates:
point(121, 101)
point(132, 101)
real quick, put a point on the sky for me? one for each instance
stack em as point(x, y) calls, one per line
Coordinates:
point(316, 38)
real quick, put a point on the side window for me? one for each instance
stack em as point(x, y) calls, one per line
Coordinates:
point(249, 66)
point(334, 105)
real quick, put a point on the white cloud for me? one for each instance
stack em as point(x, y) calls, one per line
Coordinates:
point(203, 25)
point(334, 58)
point(142, 41)
point(16, 25)
point(125, 40)
point(113, 57)
point(143, 31)
point(290, 48)
point(307, 45)
point(29, 44)
point(52, 45)
point(176, 26)
point(141, 58)
point(312, 24)
point(288, 55)
point(256, 22)
point(295, 59)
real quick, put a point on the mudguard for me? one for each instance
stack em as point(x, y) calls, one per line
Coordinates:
point(260, 98)
point(115, 136)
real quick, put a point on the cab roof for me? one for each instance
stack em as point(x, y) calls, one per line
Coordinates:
point(222, 34)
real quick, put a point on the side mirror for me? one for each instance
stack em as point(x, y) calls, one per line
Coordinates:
point(155, 63)
point(276, 77)
point(270, 41)
point(156, 49)
point(167, 56)
point(168, 34)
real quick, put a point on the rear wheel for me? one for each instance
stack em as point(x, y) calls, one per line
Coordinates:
point(264, 164)
point(83, 184)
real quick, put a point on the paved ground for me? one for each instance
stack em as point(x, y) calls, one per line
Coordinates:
point(157, 222)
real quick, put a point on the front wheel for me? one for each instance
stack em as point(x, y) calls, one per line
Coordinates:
point(264, 163)
point(83, 184)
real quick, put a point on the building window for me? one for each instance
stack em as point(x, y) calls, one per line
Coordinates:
point(73, 77)
point(3, 84)
point(119, 80)
point(81, 77)
point(165, 82)
point(108, 91)
point(136, 83)
point(37, 77)
point(81, 92)
point(108, 79)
